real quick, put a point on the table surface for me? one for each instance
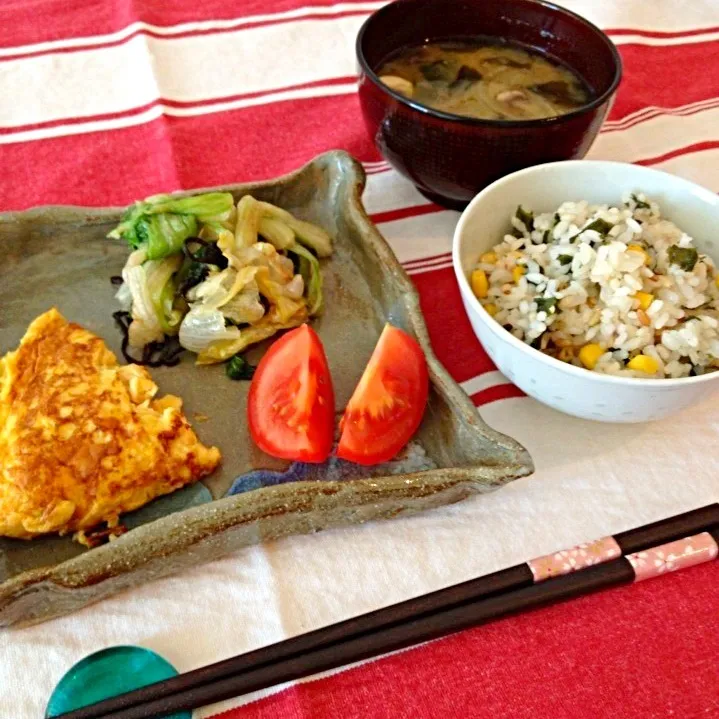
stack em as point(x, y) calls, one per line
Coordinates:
point(109, 101)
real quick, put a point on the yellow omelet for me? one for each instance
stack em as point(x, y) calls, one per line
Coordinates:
point(82, 439)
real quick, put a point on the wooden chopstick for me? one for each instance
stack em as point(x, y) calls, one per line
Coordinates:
point(395, 627)
point(431, 626)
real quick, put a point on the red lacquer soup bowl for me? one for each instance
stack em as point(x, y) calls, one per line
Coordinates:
point(451, 158)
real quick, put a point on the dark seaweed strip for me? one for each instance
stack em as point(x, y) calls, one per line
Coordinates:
point(122, 319)
point(466, 74)
point(437, 70)
point(196, 273)
point(208, 253)
point(155, 354)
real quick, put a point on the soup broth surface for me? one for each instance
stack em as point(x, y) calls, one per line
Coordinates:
point(484, 79)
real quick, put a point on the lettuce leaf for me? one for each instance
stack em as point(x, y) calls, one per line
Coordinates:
point(162, 223)
point(164, 235)
point(209, 207)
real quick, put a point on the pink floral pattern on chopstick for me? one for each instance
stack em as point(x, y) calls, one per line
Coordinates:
point(571, 560)
point(673, 556)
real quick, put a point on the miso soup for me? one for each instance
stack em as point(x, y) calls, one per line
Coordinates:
point(484, 79)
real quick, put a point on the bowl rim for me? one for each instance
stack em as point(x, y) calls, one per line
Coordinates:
point(550, 8)
point(504, 335)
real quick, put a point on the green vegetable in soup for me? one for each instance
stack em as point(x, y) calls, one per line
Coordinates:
point(437, 70)
point(466, 74)
point(683, 257)
point(565, 259)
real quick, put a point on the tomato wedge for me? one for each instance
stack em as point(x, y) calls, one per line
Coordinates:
point(291, 404)
point(389, 401)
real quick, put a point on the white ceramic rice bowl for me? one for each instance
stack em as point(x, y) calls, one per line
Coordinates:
point(570, 389)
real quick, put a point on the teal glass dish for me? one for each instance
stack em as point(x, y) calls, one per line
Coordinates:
point(106, 674)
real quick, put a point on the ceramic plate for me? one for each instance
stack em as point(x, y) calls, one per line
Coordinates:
point(252, 497)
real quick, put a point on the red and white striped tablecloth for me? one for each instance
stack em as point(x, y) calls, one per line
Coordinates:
point(106, 101)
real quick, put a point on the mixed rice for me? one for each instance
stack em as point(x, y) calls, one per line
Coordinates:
point(618, 290)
